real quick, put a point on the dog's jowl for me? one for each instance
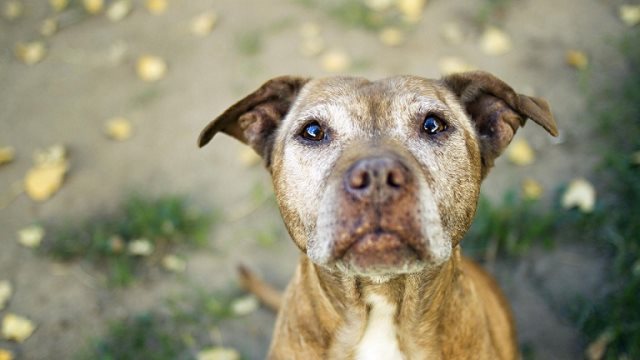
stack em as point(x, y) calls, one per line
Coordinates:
point(377, 183)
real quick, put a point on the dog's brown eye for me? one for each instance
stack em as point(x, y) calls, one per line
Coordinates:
point(313, 131)
point(433, 125)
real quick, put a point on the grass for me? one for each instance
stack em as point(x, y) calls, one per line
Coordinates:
point(356, 14)
point(104, 240)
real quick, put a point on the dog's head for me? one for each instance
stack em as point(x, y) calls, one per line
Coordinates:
point(379, 178)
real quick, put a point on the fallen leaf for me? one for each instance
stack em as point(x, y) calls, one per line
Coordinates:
point(118, 128)
point(49, 27)
point(635, 158)
point(581, 194)
point(391, 36)
point(16, 328)
point(93, 7)
point(31, 236)
point(378, 5)
point(174, 264)
point(411, 10)
point(630, 14)
point(116, 244)
point(248, 157)
point(335, 61)
point(596, 350)
point(156, 7)
point(452, 33)
point(203, 24)
point(58, 5)
point(140, 247)
point(6, 355)
point(119, 10)
point(31, 53)
point(531, 189)
point(577, 59)
point(12, 9)
point(6, 291)
point(495, 42)
point(151, 68)
point(42, 181)
point(521, 153)
point(244, 305)
point(7, 154)
point(218, 353)
point(451, 64)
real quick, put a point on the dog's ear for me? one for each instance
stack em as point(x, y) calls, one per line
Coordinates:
point(497, 111)
point(253, 119)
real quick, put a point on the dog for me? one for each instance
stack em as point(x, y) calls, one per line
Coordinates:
point(377, 182)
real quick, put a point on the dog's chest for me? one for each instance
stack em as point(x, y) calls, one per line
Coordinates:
point(380, 338)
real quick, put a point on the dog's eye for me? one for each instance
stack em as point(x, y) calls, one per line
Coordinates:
point(313, 132)
point(433, 125)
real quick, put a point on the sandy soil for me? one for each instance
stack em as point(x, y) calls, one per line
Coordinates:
point(67, 98)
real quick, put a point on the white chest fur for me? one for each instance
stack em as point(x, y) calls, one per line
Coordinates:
point(380, 339)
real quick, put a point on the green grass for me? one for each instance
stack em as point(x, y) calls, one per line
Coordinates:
point(165, 222)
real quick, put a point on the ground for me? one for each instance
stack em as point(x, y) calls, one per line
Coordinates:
point(68, 96)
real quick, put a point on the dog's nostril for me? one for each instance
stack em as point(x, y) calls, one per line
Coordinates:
point(396, 178)
point(360, 180)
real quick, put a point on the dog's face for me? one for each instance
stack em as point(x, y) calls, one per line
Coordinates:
point(379, 178)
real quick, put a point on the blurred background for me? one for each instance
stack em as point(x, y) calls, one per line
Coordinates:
point(120, 238)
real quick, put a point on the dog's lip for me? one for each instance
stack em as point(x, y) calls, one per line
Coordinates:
point(377, 240)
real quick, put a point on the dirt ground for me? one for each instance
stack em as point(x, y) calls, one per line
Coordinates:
point(67, 97)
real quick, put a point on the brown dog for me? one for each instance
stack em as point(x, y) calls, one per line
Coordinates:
point(377, 183)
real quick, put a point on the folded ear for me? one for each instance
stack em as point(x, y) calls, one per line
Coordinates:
point(254, 119)
point(497, 111)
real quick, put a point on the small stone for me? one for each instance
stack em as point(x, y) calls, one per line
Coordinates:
point(174, 264)
point(531, 189)
point(7, 154)
point(119, 9)
point(31, 53)
point(335, 61)
point(630, 14)
point(581, 194)
point(49, 27)
point(218, 353)
point(6, 291)
point(495, 42)
point(521, 153)
point(12, 9)
point(58, 5)
point(118, 128)
point(140, 247)
point(577, 59)
point(451, 64)
point(203, 24)
point(93, 7)
point(156, 7)
point(151, 68)
point(16, 328)
point(31, 236)
point(391, 36)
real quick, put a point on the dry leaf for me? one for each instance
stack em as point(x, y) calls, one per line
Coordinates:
point(218, 353)
point(531, 189)
point(7, 154)
point(452, 33)
point(244, 305)
point(581, 194)
point(451, 65)
point(203, 24)
point(31, 236)
point(6, 355)
point(391, 36)
point(31, 53)
point(118, 128)
point(630, 14)
point(93, 7)
point(635, 158)
point(248, 157)
point(378, 5)
point(6, 291)
point(12, 9)
point(577, 59)
point(49, 27)
point(16, 328)
point(335, 61)
point(140, 247)
point(119, 9)
point(174, 264)
point(41, 182)
point(521, 153)
point(411, 9)
point(156, 7)
point(596, 350)
point(116, 244)
point(151, 68)
point(58, 5)
point(495, 42)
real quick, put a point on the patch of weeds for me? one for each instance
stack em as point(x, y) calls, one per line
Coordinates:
point(105, 240)
point(491, 11)
point(507, 229)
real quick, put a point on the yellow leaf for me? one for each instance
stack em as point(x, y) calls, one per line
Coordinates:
point(58, 5)
point(7, 154)
point(630, 14)
point(6, 291)
point(16, 328)
point(93, 7)
point(452, 64)
point(218, 353)
point(6, 355)
point(140, 247)
point(31, 236)
point(495, 42)
point(577, 59)
point(391, 36)
point(521, 153)
point(411, 9)
point(118, 128)
point(31, 53)
point(151, 68)
point(203, 24)
point(244, 305)
point(49, 27)
point(119, 9)
point(581, 194)
point(174, 264)
point(335, 61)
point(156, 7)
point(531, 189)
point(12, 9)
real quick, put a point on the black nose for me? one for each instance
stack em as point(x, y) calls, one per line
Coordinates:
point(378, 178)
